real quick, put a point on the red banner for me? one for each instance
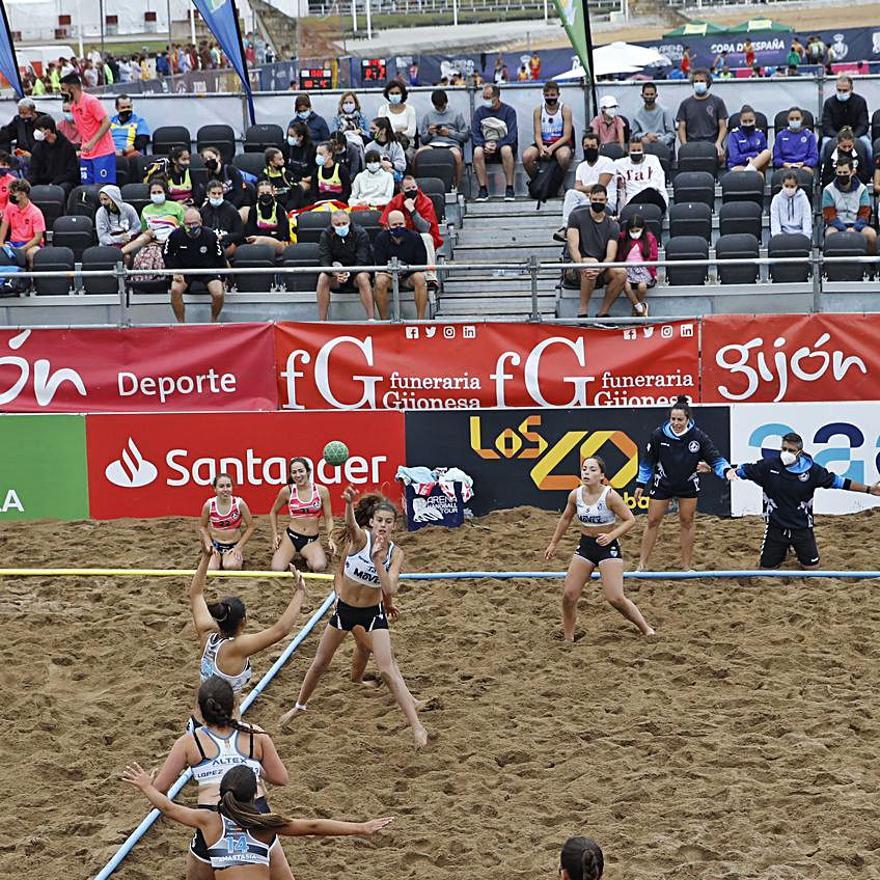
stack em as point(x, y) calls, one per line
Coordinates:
point(462, 366)
point(163, 465)
point(225, 366)
point(772, 358)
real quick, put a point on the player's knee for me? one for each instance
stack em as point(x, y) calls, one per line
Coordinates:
point(617, 602)
point(570, 596)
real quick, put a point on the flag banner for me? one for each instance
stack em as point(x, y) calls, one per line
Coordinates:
point(8, 61)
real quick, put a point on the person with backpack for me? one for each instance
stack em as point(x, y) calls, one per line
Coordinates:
point(548, 158)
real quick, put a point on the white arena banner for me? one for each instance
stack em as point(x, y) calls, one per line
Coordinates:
point(842, 437)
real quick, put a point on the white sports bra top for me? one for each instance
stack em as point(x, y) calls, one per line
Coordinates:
point(359, 566)
point(208, 666)
point(211, 770)
point(598, 514)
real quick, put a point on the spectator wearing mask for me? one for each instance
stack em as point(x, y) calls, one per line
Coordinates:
point(846, 204)
point(53, 159)
point(224, 173)
point(318, 128)
point(97, 155)
point(641, 178)
point(607, 124)
point(494, 132)
point(637, 244)
point(276, 173)
point(747, 145)
point(790, 209)
point(299, 156)
point(847, 147)
point(374, 186)
point(17, 136)
point(331, 180)
point(796, 146)
point(23, 225)
point(347, 153)
point(595, 168)
point(385, 143)
point(194, 247)
point(419, 215)
point(844, 109)
point(653, 122)
point(553, 130)
point(116, 222)
point(342, 245)
point(401, 115)
point(67, 126)
point(443, 129)
point(178, 175)
point(350, 120)
point(221, 217)
point(160, 218)
point(703, 117)
point(409, 249)
point(267, 222)
point(592, 240)
point(131, 134)
point(6, 178)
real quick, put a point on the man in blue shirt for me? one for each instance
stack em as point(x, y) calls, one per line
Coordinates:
point(747, 144)
point(131, 134)
point(495, 135)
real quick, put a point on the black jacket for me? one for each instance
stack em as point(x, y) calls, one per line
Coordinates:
point(225, 222)
point(234, 190)
point(670, 460)
point(837, 114)
point(54, 163)
point(859, 155)
point(18, 133)
point(202, 252)
point(410, 249)
point(353, 250)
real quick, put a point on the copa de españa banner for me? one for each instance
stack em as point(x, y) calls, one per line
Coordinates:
point(468, 366)
point(790, 358)
point(221, 367)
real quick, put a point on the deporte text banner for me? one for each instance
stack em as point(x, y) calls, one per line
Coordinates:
point(468, 366)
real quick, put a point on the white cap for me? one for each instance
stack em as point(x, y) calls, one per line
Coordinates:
point(608, 101)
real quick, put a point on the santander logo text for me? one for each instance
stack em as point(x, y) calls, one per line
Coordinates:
point(131, 470)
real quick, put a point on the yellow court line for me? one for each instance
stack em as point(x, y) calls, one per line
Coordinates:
point(150, 572)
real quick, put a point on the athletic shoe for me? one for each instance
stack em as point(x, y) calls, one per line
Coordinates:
point(509, 195)
point(482, 195)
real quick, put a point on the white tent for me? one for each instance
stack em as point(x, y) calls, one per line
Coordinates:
point(628, 55)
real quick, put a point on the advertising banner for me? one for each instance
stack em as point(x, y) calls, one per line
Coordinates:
point(467, 366)
point(843, 437)
point(43, 468)
point(533, 457)
point(137, 369)
point(163, 465)
point(772, 358)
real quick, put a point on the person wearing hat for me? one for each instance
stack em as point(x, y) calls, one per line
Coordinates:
point(97, 157)
point(607, 124)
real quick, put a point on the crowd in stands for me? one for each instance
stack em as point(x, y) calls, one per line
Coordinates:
point(360, 171)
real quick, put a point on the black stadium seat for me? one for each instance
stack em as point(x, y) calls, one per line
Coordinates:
point(875, 126)
point(137, 195)
point(737, 218)
point(789, 245)
point(368, 220)
point(258, 137)
point(100, 257)
point(664, 154)
point(123, 171)
point(780, 120)
point(310, 225)
point(220, 136)
point(435, 189)
point(697, 156)
point(255, 256)
point(251, 163)
point(845, 244)
point(805, 179)
point(612, 151)
point(652, 214)
point(687, 247)
point(83, 200)
point(53, 259)
point(50, 200)
point(694, 186)
point(436, 163)
point(742, 186)
point(167, 136)
point(739, 246)
point(760, 122)
point(301, 255)
point(75, 232)
point(690, 218)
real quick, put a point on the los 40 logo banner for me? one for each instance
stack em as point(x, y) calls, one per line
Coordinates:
point(467, 366)
point(527, 456)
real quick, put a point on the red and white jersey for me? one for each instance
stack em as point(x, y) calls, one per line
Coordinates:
point(225, 522)
point(311, 509)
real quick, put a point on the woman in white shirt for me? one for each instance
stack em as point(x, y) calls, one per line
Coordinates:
point(401, 115)
point(374, 186)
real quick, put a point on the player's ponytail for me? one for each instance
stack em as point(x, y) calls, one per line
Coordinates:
point(582, 859)
point(217, 705)
point(229, 613)
point(238, 789)
point(368, 505)
point(683, 404)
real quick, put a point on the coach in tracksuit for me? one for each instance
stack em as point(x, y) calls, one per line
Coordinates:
point(668, 470)
point(789, 481)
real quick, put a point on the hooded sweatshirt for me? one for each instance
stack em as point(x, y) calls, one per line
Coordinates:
point(671, 459)
point(116, 228)
point(791, 214)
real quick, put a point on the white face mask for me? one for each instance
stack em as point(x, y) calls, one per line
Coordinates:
point(488, 102)
point(635, 233)
point(789, 192)
point(788, 458)
point(373, 167)
point(39, 134)
point(215, 203)
point(348, 107)
point(610, 112)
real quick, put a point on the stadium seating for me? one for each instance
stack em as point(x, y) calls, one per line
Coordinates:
point(663, 153)
point(845, 244)
point(220, 136)
point(137, 195)
point(736, 247)
point(258, 137)
point(761, 122)
point(780, 120)
point(739, 218)
point(690, 218)
point(53, 259)
point(687, 247)
point(310, 225)
point(75, 232)
point(368, 220)
point(167, 136)
point(298, 256)
point(694, 186)
point(697, 156)
point(612, 151)
point(436, 164)
point(805, 179)
point(652, 214)
point(251, 163)
point(435, 189)
point(789, 245)
point(255, 256)
point(742, 186)
point(96, 258)
point(123, 171)
point(83, 201)
point(50, 200)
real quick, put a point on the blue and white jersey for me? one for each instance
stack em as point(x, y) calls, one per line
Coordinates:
point(236, 846)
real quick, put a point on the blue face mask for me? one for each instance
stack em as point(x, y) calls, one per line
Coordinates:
point(843, 96)
point(341, 231)
point(795, 124)
point(395, 99)
point(700, 88)
point(320, 159)
point(304, 114)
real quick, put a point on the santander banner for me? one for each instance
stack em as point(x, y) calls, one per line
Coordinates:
point(225, 366)
point(163, 465)
point(802, 358)
point(467, 366)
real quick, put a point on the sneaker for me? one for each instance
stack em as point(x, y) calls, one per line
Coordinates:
point(508, 195)
point(559, 235)
point(482, 195)
point(640, 310)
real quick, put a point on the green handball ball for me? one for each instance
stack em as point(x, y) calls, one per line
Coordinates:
point(335, 452)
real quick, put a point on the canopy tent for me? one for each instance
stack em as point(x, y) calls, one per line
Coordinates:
point(758, 25)
point(695, 28)
point(577, 72)
point(628, 55)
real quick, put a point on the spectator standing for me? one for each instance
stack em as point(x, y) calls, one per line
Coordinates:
point(385, 143)
point(67, 126)
point(794, 57)
point(553, 130)
point(595, 168)
point(53, 160)
point(494, 132)
point(163, 66)
point(443, 129)
point(846, 204)
point(401, 115)
point(749, 55)
point(849, 147)
point(607, 124)
point(54, 74)
point(747, 145)
point(790, 209)
point(635, 244)
point(267, 222)
point(116, 222)
point(374, 186)
point(302, 108)
point(844, 109)
point(194, 247)
point(796, 146)
point(350, 120)
point(332, 180)
point(130, 132)
point(222, 218)
point(409, 249)
point(342, 245)
point(653, 122)
point(687, 59)
point(592, 239)
point(641, 178)
point(17, 136)
point(703, 117)
point(817, 51)
point(719, 63)
point(501, 74)
point(124, 71)
point(23, 225)
point(97, 157)
point(224, 173)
